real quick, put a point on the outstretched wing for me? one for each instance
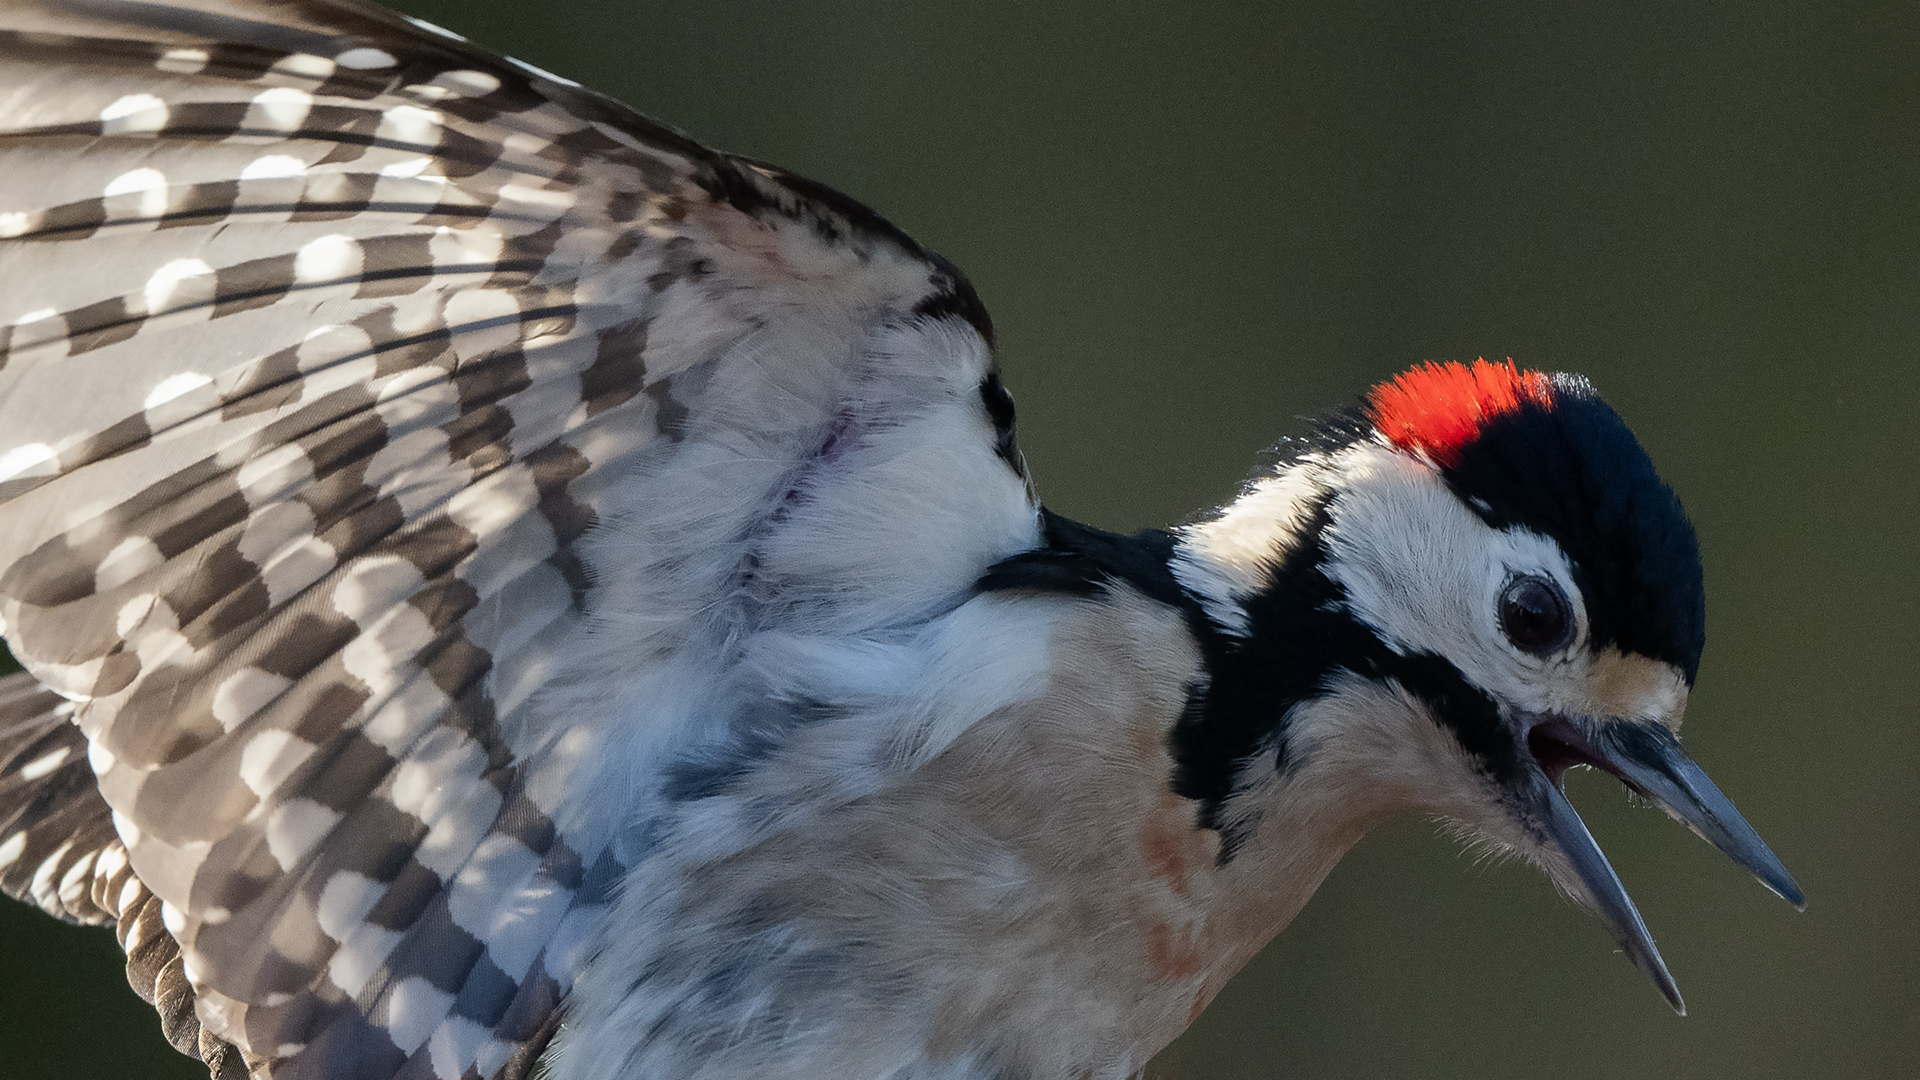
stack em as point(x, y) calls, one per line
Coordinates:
point(355, 384)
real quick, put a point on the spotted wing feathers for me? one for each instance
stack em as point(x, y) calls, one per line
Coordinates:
point(329, 349)
point(59, 851)
point(54, 828)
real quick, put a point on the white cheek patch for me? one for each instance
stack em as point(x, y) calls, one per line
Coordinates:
point(1426, 573)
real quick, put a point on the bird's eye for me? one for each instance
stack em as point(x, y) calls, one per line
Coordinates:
point(1535, 615)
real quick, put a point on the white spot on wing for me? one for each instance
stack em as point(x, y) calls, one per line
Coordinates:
point(454, 1043)
point(467, 83)
point(244, 693)
point(330, 258)
point(304, 65)
point(270, 757)
point(345, 901)
point(446, 790)
point(289, 569)
point(415, 1008)
point(130, 616)
point(325, 346)
point(165, 288)
point(132, 114)
point(268, 476)
point(365, 58)
point(360, 956)
point(281, 108)
point(136, 932)
point(464, 247)
point(10, 850)
point(408, 168)
point(15, 222)
point(41, 887)
point(74, 881)
point(149, 184)
point(425, 783)
point(22, 460)
point(410, 124)
point(272, 167)
point(295, 826)
point(493, 897)
point(112, 860)
point(182, 61)
point(372, 585)
point(175, 385)
point(135, 180)
point(45, 763)
point(482, 320)
point(128, 560)
point(41, 327)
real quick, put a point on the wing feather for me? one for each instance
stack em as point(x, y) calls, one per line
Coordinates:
point(355, 386)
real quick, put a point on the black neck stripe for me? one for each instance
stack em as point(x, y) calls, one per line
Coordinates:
point(1300, 636)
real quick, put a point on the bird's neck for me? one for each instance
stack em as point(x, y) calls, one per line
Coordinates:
point(1224, 805)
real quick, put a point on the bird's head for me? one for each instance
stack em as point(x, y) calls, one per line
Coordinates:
point(1458, 591)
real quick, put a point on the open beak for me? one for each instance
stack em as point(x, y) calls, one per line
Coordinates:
point(1648, 759)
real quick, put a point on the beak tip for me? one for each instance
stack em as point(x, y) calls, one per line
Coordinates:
point(1787, 889)
point(1668, 988)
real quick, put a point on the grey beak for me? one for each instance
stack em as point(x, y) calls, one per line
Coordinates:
point(1648, 759)
point(1608, 897)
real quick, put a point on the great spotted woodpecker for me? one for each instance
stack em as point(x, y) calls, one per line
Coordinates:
point(501, 582)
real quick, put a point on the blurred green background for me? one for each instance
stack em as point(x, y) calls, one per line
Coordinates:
point(1196, 223)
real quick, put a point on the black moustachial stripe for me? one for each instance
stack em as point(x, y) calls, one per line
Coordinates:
point(1300, 635)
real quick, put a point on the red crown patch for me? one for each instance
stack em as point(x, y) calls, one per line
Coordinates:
point(1440, 408)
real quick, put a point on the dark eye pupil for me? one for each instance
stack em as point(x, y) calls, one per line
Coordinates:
point(1535, 615)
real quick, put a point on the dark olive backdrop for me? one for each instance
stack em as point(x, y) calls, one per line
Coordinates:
point(1196, 223)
